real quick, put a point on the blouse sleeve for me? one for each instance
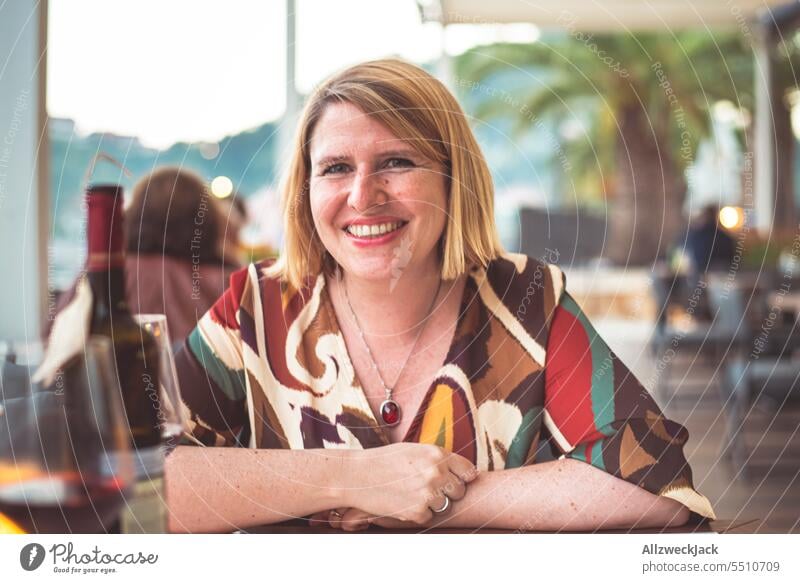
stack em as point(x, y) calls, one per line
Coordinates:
point(211, 374)
point(596, 411)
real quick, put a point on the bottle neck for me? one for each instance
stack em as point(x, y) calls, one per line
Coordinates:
point(105, 237)
point(105, 262)
point(108, 293)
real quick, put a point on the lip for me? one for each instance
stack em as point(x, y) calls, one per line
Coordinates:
point(375, 241)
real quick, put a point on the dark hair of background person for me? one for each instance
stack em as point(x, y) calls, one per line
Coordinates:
point(238, 203)
point(173, 213)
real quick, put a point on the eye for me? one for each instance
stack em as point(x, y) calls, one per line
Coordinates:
point(336, 168)
point(393, 163)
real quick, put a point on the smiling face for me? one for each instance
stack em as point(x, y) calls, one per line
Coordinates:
point(378, 205)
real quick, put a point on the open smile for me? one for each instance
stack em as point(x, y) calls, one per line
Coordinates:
point(374, 234)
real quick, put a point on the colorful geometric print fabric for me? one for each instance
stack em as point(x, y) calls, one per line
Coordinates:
point(268, 368)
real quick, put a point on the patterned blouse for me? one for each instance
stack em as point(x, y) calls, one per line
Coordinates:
point(268, 368)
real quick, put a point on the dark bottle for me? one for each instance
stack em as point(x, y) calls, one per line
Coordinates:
point(136, 354)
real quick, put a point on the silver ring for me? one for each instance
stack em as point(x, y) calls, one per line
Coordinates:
point(336, 513)
point(444, 507)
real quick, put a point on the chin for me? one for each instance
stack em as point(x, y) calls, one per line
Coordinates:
point(369, 271)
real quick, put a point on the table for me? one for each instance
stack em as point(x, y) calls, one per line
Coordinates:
point(738, 526)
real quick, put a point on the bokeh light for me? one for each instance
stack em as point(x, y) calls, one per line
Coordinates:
point(221, 187)
point(731, 217)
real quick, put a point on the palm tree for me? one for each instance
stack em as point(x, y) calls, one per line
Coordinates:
point(649, 96)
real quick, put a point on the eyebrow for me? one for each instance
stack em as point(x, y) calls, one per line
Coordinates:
point(337, 158)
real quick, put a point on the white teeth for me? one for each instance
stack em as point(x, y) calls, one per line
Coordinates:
point(373, 230)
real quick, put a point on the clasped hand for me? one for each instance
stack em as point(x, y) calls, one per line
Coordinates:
point(403, 484)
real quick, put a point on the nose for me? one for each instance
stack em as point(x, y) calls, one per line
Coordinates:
point(365, 191)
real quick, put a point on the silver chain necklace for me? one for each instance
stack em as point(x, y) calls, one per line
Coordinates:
point(389, 409)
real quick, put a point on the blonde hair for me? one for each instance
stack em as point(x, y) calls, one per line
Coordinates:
point(419, 109)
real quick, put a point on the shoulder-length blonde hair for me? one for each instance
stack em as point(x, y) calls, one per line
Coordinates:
point(419, 109)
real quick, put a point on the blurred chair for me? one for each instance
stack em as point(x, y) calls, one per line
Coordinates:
point(765, 369)
point(727, 330)
point(772, 378)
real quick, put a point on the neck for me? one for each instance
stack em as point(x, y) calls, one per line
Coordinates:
point(394, 308)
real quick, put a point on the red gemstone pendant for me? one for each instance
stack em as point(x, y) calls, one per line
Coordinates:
point(390, 412)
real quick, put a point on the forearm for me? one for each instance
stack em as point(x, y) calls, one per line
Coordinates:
point(217, 489)
point(563, 495)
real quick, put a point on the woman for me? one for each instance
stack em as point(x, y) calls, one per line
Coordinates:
point(395, 357)
point(175, 241)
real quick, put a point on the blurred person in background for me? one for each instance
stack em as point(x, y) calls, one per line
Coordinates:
point(175, 241)
point(233, 211)
point(708, 248)
point(708, 245)
point(177, 262)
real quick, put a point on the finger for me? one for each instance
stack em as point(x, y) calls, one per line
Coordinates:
point(462, 467)
point(437, 502)
point(336, 515)
point(355, 519)
point(426, 517)
point(355, 515)
point(354, 526)
point(386, 522)
point(455, 488)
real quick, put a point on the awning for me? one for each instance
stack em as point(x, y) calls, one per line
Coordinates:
point(602, 15)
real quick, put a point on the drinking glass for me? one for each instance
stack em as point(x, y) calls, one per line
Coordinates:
point(171, 415)
point(65, 457)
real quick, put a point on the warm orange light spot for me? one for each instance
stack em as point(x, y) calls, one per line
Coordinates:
point(731, 217)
